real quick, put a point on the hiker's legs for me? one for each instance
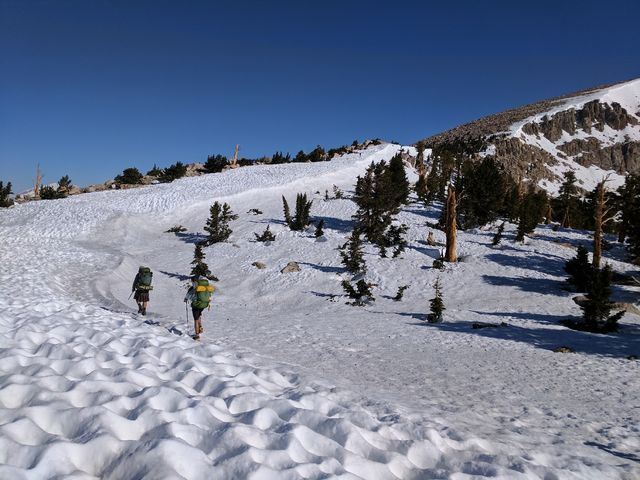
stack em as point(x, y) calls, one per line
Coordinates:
point(197, 323)
point(144, 308)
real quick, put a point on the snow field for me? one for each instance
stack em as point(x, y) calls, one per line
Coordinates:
point(289, 382)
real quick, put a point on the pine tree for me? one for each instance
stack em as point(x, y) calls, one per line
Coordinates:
point(484, 186)
point(47, 192)
point(5, 195)
point(595, 311)
point(64, 186)
point(436, 305)
point(352, 255)
point(218, 223)
point(301, 217)
point(266, 236)
point(200, 268)
point(421, 188)
point(361, 293)
point(173, 172)
point(580, 270)
point(129, 176)
point(630, 218)
point(532, 209)
point(155, 171)
point(397, 181)
point(568, 199)
point(394, 237)
point(498, 236)
point(319, 231)
point(215, 163)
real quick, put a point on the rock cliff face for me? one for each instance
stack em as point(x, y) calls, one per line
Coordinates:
point(596, 131)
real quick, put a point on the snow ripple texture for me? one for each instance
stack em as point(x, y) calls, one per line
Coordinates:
point(87, 390)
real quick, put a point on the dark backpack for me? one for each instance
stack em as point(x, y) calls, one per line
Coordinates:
point(145, 277)
point(203, 294)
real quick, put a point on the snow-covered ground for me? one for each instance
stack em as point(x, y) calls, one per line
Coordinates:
point(289, 381)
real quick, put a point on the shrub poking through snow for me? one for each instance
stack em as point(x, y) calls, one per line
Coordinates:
point(175, 171)
point(438, 263)
point(64, 186)
point(255, 211)
point(497, 238)
point(360, 293)
point(218, 223)
point(394, 237)
point(129, 176)
point(155, 171)
point(300, 220)
point(400, 292)
point(596, 310)
point(5, 195)
point(176, 229)
point(47, 192)
point(319, 231)
point(337, 193)
point(266, 236)
point(580, 270)
point(200, 268)
point(352, 256)
point(215, 163)
point(436, 304)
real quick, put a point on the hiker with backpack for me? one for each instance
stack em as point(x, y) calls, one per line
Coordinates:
point(199, 294)
point(142, 287)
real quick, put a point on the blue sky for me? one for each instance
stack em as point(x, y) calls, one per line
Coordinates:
point(88, 88)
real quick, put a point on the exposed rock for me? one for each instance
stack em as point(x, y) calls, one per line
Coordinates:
point(563, 349)
point(478, 325)
point(581, 300)
point(291, 267)
point(259, 265)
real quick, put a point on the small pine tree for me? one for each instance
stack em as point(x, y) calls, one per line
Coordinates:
point(218, 223)
point(175, 171)
point(200, 268)
point(64, 186)
point(319, 229)
point(5, 195)
point(361, 293)
point(300, 219)
point(421, 188)
point(215, 163)
point(394, 237)
point(580, 270)
point(337, 193)
point(47, 192)
point(595, 311)
point(436, 304)
point(532, 210)
point(155, 171)
point(266, 236)
point(129, 176)
point(352, 255)
point(497, 238)
point(400, 292)
point(397, 181)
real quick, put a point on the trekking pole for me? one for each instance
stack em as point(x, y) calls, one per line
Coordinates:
point(130, 295)
point(186, 311)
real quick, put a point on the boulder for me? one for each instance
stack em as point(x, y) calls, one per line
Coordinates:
point(291, 267)
point(259, 265)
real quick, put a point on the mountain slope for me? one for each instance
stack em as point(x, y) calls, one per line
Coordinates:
point(593, 132)
point(289, 381)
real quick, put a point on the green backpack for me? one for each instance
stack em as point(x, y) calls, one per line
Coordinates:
point(203, 294)
point(145, 276)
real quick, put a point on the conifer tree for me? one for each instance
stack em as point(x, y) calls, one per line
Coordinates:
point(266, 236)
point(568, 199)
point(215, 163)
point(5, 195)
point(319, 229)
point(484, 192)
point(218, 223)
point(596, 310)
point(129, 176)
point(630, 218)
point(173, 172)
point(200, 268)
point(376, 203)
point(497, 238)
point(64, 186)
point(580, 270)
point(155, 171)
point(532, 210)
point(361, 293)
point(301, 217)
point(436, 304)
point(352, 254)
point(398, 182)
point(421, 188)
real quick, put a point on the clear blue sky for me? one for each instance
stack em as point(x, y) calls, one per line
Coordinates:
point(88, 88)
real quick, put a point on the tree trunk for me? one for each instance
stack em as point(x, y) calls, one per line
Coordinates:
point(597, 233)
point(451, 254)
point(548, 216)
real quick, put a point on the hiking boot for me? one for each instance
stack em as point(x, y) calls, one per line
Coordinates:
point(144, 311)
point(196, 337)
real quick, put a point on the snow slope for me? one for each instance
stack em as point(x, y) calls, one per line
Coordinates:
point(289, 382)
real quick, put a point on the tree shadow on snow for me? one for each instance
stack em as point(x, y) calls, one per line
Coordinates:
point(548, 263)
point(324, 268)
point(191, 237)
point(626, 456)
point(179, 276)
point(338, 224)
point(536, 285)
point(433, 252)
point(619, 345)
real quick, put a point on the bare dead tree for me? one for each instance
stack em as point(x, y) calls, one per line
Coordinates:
point(602, 214)
point(451, 226)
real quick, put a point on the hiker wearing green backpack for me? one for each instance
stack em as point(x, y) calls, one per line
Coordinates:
point(199, 294)
point(142, 287)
